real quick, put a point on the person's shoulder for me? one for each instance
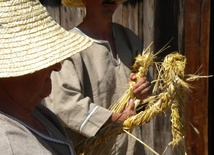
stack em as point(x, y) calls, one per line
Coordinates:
point(132, 38)
point(121, 27)
point(118, 28)
point(17, 139)
point(11, 131)
point(10, 125)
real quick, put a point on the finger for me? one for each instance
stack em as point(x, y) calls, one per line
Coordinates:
point(146, 90)
point(141, 87)
point(131, 108)
point(131, 104)
point(140, 82)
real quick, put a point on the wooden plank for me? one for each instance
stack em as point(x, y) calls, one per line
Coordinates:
point(128, 17)
point(146, 21)
point(54, 12)
point(117, 16)
point(197, 26)
point(71, 17)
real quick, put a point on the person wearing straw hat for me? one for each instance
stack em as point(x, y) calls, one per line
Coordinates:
point(91, 81)
point(32, 45)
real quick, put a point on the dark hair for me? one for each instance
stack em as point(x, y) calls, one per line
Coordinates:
point(53, 3)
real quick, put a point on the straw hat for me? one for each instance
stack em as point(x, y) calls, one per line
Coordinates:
point(30, 40)
point(79, 3)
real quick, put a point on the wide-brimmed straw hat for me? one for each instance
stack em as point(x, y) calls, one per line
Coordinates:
point(79, 3)
point(30, 40)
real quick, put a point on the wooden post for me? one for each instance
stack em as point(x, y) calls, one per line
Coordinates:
point(196, 45)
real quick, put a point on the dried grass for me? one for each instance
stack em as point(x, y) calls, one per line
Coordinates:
point(171, 89)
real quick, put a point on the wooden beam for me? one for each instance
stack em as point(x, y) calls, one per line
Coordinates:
point(196, 48)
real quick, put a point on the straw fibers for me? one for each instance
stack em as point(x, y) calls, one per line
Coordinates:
point(171, 88)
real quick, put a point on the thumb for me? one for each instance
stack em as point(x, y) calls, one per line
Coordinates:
point(131, 104)
point(132, 77)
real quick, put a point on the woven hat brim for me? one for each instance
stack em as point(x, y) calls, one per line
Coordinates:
point(79, 3)
point(73, 3)
point(31, 40)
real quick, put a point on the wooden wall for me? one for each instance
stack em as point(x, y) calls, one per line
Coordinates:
point(211, 86)
point(188, 23)
point(196, 40)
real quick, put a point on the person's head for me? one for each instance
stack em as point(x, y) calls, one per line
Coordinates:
point(32, 45)
point(29, 88)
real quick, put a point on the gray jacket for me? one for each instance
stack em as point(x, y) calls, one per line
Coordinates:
point(18, 138)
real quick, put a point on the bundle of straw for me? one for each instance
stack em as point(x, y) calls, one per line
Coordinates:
point(102, 143)
point(141, 66)
point(170, 89)
point(167, 87)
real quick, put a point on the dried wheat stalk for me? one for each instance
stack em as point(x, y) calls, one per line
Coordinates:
point(171, 88)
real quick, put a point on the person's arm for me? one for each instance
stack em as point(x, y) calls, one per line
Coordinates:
point(68, 102)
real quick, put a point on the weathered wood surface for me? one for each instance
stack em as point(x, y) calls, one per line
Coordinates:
point(187, 22)
point(196, 45)
point(211, 86)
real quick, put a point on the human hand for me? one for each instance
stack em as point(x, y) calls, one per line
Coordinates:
point(128, 111)
point(141, 88)
point(121, 117)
